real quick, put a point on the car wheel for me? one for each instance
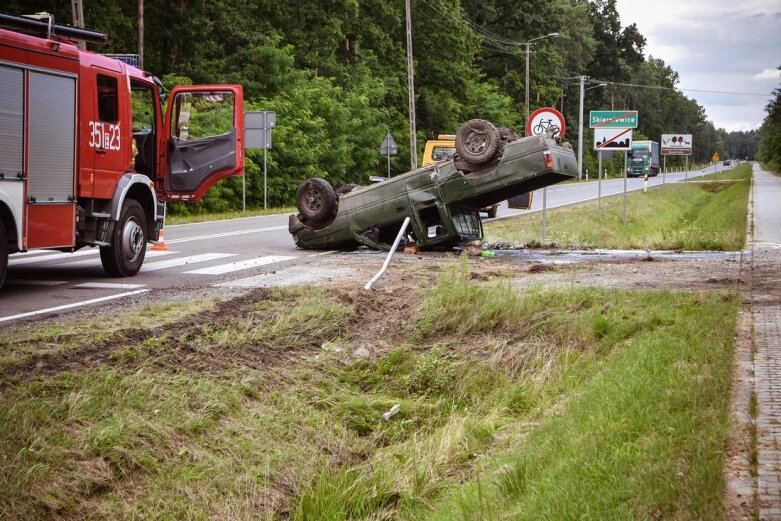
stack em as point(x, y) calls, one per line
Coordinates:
point(347, 188)
point(316, 200)
point(125, 255)
point(478, 141)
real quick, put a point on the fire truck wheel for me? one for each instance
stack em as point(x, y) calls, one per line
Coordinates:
point(3, 253)
point(478, 142)
point(125, 255)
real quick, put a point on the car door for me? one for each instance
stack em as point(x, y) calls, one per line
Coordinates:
point(204, 132)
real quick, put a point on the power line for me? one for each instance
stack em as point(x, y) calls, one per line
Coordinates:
point(661, 87)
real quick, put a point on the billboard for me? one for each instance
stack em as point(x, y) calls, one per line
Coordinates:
point(676, 144)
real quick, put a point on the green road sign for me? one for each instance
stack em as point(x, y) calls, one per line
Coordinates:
point(612, 119)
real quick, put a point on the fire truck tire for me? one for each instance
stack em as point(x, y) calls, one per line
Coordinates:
point(125, 255)
point(478, 142)
point(3, 253)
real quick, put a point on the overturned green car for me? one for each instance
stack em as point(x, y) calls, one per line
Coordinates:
point(442, 200)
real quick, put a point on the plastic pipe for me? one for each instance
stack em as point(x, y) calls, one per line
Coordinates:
point(390, 255)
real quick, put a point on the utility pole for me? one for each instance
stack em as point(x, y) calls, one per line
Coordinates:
point(526, 89)
point(413, 142)
point(78, 20)
point(580, 127)
point(141, 34)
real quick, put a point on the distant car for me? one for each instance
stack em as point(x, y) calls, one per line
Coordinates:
point(726, 163)
point(442, 199)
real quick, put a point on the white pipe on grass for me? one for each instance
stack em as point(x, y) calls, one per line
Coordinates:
point(390, 255)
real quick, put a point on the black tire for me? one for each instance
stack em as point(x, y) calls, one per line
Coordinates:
point(347, 188)
point(478, 142)
point(3, 253)
point(316, 200)
point(491, 211)
point(125, 255)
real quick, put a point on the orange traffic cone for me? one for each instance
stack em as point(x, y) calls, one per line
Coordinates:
point(160, 244)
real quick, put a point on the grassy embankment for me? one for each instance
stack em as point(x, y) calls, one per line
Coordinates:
point(515, 404)
point(709, 214)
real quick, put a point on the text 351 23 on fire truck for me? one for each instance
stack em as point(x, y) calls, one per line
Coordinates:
point(87, 156)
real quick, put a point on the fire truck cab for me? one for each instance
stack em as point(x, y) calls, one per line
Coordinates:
point(87, 155)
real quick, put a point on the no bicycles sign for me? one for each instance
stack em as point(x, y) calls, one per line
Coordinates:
point(546, 119)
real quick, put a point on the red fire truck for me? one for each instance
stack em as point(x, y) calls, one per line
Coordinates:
point(87, 155)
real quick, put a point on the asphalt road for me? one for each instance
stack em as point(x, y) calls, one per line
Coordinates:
point(208, 254)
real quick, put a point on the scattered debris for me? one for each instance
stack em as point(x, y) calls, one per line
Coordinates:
point(391, 413)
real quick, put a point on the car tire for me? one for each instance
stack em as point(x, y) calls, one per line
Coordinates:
point(478, 142)
point(125, 255)
point(316, 200)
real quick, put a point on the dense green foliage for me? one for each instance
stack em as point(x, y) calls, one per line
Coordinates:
point(770, 134)
point(335, 73)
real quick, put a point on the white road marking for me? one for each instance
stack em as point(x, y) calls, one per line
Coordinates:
point(74, 305)
point(51, 257)
point(108, 285)
point(29, 254)
point(192, 259)
point(95, 262)
point(240, 265)
point(226, 234)
point(29, 282)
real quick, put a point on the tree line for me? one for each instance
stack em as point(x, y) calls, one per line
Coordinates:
point(335, 73)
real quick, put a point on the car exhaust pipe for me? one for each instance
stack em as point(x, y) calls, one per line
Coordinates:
point(390, 255)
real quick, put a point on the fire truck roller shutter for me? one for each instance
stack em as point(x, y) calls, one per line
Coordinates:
point(12, 152)
point(51, 160)
point(52, 137)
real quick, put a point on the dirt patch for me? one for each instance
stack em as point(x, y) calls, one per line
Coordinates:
point(716, 186)
point(100, 353)
point(384, 317)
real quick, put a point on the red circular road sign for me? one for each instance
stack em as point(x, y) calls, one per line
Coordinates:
point(544, 119)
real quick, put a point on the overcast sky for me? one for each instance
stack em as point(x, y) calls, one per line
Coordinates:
point(716, 45)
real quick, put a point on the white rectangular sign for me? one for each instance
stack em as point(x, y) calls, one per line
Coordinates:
point(676, 144)
point(612, 139)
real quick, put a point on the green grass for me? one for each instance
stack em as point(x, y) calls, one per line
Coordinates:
point(203, 216)
point(59, 337)
point(703, 216)
point(561, 403)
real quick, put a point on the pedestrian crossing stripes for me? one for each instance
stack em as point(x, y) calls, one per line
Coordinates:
point(240, 265)
point(168, 260)
point(183, 261)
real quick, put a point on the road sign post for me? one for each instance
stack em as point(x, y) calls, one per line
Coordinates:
point(257, 134)
point(389, 148)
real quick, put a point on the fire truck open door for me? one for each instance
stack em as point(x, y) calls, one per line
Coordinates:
point(205, 138)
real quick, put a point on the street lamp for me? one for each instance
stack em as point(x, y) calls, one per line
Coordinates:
point(526, 84)
point(580, 123)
